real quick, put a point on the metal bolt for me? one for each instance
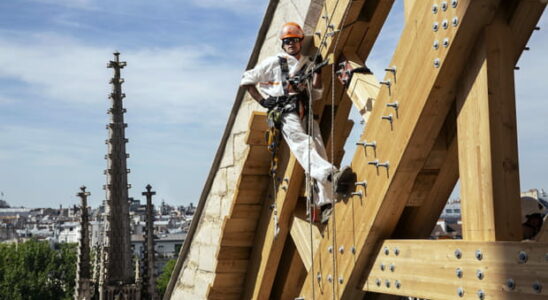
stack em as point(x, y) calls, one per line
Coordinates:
point(481, 294)
point(397, 284)
point(516, 68)
point(435, 26)
point(396, 251)
point(454, 3)
point(341, 249)
point(319, 34)
point(445, 24)
point(331, 26)
point(511, 284)
point(522, 256)
point(319, 276)
point(444, 6)
point(389, 118)
point(374, 163)
point(455, 21)
point(387, 83)
point(324, 17)
point(537, 28)
point(459, 272)
point(361, 183)
point(386, 250)
point(284, 188)
point(437, 62)
point(330, 249)
point(537, 287)
point(341, 280)
point(329, 278)
point(381, 266)
point(384, 165)
point(365, 144)
point(391, 69)
point(436, 45)
point(526, 49)
point(446, 42)
point(479, 255)
point(458, 254)
point(358, 193)
point(460, 292)
point(435, 9)
point(394, 105)
point(479, 274)
point(392, 268)
point(286, 180)
point(378, 282)
point(387, 283)
point(353, 250)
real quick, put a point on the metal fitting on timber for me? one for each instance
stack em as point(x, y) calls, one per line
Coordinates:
point(387, 83)
point(395, 105)
point(341, 280)
point(444, 6)
point(481, 294)
point(391, 69)
point(445, 24)
point(353, 250)
point(516, 68)
point(286, 179)
point(446, 42)
point(382, 267)
point(325, 17)
point(358, 193)
point(317, 33)
point(365, 144)
point(387, 283)
point(392, 268)
point(284, 188)
point(397, 284)
point(384, 165)
point(378, 282)
point(458, 254)
point(329, 278)
point(435, 9)
point(510, 284)
point(435, 26)
point(331, 26)
point(341, 249)
point(522, 257)
point(460, 292)
point(330, 249)
point(526, 48)
point(389, 118)
point(396, 251)
point(386, 251)
point(374, 163)
point(361, 183)
point(436, 45)
point(537, 287)
point(454, 3)
point(437, 62)
point(537, 28)
point(479, 254)
point(479, 274)
point(332, 33)
point(458, 271)
point(455, 21)
point(319, 276)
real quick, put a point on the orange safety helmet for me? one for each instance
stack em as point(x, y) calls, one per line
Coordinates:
point(290, 30)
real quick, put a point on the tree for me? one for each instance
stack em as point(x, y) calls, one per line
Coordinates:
point(163, 280)
point(33, 270)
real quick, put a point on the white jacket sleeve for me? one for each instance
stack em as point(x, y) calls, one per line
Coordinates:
point(261, 72)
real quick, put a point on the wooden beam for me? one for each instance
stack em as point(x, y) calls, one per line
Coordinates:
point(434, 269)
point(290, 275)
point(408, 7)
point(364, 88)
point(300, 234)
point(428, 92)
point(488, 158)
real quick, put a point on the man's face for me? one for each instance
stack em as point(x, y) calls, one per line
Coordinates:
point(292, 46)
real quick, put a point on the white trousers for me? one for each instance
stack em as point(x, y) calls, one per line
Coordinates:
point(298, 141)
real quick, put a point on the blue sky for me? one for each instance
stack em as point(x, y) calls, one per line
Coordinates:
point(185, 59)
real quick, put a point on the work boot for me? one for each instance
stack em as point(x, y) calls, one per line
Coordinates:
point(344, 181)
point(326, 211)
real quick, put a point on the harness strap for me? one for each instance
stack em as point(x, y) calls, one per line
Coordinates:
point(285, 74)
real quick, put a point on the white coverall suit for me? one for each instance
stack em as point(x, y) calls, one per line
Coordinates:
point(268, 75)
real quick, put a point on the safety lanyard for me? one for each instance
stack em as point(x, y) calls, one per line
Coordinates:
point(285, 74)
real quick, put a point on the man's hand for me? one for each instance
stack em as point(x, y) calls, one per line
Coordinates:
point(268, 103)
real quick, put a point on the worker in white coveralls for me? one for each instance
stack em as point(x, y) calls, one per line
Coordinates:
point(286, 102)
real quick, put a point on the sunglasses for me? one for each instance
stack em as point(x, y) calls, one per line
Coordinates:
point(292, 40)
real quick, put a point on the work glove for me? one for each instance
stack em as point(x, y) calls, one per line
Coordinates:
point(268, 103)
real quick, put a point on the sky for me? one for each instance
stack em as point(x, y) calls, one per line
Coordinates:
point(185, 59)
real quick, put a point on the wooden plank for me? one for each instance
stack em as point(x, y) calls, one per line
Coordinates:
point(216, 293)
point(238, 232)
point(249, 211)
point(406, 145)
point(257, 128)
point(488, 158)
point(232, 253)
point(257, 161)
point(363, 88)
point(428, 269)
point(300, 233)
point(408, 7)
point(252, 188)
point(232, 266)
point(290, 275)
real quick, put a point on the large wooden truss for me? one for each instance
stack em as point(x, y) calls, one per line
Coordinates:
point(445, 110)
